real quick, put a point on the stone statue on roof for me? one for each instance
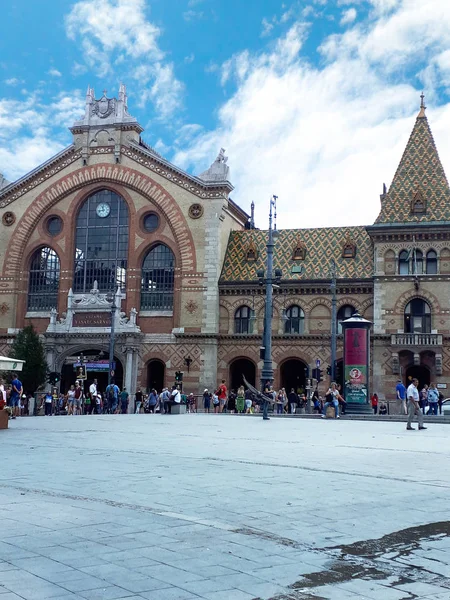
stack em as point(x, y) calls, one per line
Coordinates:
point(219, 170)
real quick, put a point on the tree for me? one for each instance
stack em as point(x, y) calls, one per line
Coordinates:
point(28, 346)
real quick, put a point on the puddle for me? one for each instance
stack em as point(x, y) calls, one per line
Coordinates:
point(379, 564)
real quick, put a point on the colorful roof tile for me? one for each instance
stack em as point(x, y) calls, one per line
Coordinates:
point(322, 245)
point(420, 175)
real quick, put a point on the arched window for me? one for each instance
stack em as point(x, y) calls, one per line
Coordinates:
point(417, 262)
point(295, 320)
point(403, 263)
point(417, 316)
point(157, 282)
point(243, 320)
point(101, 252)
point(431, 262)
point(345, 312)
point(44, 280)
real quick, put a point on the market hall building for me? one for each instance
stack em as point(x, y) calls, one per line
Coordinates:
point(109, 222)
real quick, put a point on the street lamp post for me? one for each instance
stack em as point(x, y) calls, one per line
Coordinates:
point(269, 280)
point(333, 321)
point(112, 337)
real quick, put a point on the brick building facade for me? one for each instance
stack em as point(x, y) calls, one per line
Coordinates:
point(108, 220)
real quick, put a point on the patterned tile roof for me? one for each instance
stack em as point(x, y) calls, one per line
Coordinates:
point(322, 245)
point(419, 176)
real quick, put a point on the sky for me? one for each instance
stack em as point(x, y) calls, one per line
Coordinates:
point(313, 100)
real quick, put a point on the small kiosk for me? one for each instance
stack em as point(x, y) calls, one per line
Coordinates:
point(8, 364)
point(356, 332)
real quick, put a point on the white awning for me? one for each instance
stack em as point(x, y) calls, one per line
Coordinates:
point(10, 364)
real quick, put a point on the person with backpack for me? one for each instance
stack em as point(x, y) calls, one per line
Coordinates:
point(112, 397)
point(164, 400)
point(175, 398)
point(124, 401)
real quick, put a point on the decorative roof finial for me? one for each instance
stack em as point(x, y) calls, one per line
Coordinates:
point(421, 114)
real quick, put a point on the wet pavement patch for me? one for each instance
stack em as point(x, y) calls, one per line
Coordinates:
point(417, 557)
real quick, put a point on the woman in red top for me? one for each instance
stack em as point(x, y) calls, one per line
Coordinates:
point(375, 403)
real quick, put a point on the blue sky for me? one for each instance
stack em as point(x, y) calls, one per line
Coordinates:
point(313, 100)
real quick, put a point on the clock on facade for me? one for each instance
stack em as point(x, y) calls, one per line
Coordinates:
point(103, 209)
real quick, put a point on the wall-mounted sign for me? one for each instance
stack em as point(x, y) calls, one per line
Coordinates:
point(441, 386)
point(102, 319)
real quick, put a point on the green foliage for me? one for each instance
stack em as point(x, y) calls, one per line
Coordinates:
point(28, 347)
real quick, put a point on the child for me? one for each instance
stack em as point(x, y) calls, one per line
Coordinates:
point(240, 400)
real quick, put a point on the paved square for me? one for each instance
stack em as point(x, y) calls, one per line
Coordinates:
point(223, 508)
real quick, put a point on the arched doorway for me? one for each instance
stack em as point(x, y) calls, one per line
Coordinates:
point(293, 374)
point(156, 371)
point(97, 367)
point(240, 367)
point(419, 372)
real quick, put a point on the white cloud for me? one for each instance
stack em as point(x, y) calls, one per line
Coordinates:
point(348, 16)
point(324, 138)
point(192, 15)
point(27, 137)
point(14, 81)
point(117, 38)
point(267, 27)
point(54, 72)
point(189, 58)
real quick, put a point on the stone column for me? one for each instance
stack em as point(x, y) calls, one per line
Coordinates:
point(129, 368)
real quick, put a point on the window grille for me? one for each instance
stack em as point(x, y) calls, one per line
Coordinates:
point(43, 282)
point(157, 283)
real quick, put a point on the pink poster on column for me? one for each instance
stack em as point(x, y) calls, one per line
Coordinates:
point(355, 347)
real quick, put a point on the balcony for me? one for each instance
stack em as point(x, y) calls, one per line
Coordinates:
point(416, 339)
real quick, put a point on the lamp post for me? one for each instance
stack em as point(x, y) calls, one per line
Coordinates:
point(272, 277)
point(112, 298)
point(333, 321)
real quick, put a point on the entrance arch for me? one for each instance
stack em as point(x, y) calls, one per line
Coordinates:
point(156, 371)
point(420, 372)
point(293, 374)
point(239, 367)
point(96, 358)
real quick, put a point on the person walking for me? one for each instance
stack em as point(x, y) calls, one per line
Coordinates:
point(433, 400)
point(15, 396)
point(124, 400)
point(413, 406)
point(93, 395)
point(400, 393)
point(222, 395)
point(112, 397)
point(440, 401)
point(423, 398)
point(269, 393)
point(216, 402)
point(292, 401)
point(138, 401)
point(152, 401)
point(374, 401)
point(240, 400)
point(48, 401)
point(71, 400)
point(231, 406)
point(206, 401)
point(78, 398)
point(280, 401)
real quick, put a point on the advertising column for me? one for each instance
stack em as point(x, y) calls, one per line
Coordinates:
point(356, 359)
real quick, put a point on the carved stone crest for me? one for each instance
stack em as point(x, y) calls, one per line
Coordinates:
point(4, 308)
point(191, 306)
point(104, 107)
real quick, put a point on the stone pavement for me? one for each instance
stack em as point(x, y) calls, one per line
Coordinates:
point(223, 507)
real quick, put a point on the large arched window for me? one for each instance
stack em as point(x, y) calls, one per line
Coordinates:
point(403, 262)
point(345, 312)
point(242, 320)
point(417, 316)
point(295, 320)
point(44, 280)
point(431, 262)
point(157, 280)
point(101, 243)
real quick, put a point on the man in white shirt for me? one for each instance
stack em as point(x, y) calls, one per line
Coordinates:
point(175, 398)
point(412, 394)
point(93, 394)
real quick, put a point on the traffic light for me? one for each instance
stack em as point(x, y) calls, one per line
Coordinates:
point(319, 375)
point(178, 376)
point(54, 378)
point(338, 371)
point(329, 370)
point(314, 374)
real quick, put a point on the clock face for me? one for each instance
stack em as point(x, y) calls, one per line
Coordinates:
point(103, 209)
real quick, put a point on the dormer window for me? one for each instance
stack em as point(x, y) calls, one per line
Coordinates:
point(348, 248)
point(252, 254)
point(418, 203)
point(299, 252)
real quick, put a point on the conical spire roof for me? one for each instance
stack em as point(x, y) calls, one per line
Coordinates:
point(419, 191)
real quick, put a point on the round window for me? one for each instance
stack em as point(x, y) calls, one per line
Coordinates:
point(54, 225)
point(151, 222)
